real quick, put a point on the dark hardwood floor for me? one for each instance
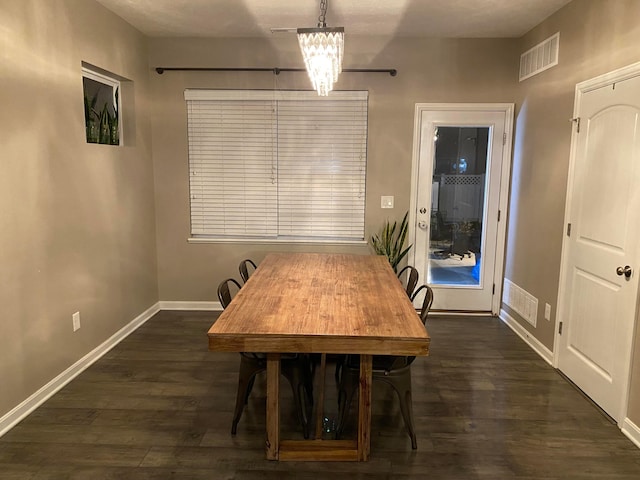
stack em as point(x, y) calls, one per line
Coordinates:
point(159, 406)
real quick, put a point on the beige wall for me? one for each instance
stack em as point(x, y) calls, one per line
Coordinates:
point(77, 222)
point(596, 36)
point(429, 71)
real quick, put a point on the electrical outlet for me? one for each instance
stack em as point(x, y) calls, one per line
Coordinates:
point(547, 311)
point(76, 321)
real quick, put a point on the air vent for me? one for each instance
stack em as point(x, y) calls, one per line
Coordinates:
point(520, 301)
point(539, 58)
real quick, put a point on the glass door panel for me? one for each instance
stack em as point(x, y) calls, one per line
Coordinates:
point(458, 205)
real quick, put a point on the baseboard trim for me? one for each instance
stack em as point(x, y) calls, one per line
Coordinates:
point(13, 417)
point(204, 306)
point(534, 343)
point(632, 431)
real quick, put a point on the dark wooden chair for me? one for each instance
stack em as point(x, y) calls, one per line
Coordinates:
point(295, 368)
point(411, 275)
point(246, 267)
point(393, 370)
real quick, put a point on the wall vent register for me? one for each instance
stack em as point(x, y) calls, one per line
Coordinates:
point(540, 58)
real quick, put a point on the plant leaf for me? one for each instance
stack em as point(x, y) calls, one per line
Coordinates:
point(390, 241)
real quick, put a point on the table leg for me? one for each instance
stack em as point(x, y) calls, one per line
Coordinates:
point(320, 400)
point(273, 408)
point(364, 408)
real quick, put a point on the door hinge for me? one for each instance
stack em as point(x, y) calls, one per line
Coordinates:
point(493, 290)
point(498, 215)
point(504, 138)
point(568, 229)
point(576, 120)
point(560, 328)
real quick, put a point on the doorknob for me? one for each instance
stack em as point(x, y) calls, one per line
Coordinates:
point(626, 271)
point(422, 225)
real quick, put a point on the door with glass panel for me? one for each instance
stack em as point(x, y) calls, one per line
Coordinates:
point(462, 158)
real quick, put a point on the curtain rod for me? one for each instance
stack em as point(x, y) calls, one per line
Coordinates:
point(275, 70)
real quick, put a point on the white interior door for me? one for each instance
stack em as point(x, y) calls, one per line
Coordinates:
point(597, 298)
point(460, 172)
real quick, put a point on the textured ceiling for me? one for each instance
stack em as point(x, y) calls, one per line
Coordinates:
point(409, 18)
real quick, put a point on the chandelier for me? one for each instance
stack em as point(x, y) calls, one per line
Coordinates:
point(322, 49)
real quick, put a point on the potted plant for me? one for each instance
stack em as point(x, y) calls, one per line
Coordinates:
point(390, 241)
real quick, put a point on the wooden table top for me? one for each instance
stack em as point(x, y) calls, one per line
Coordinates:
point(323, 303)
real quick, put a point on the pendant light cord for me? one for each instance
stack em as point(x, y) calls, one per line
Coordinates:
point(322, 23)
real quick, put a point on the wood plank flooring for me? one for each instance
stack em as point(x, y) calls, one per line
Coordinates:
point(159, 406)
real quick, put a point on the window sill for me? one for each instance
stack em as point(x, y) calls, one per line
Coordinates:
point(274, 241)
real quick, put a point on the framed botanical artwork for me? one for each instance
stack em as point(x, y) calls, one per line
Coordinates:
point(101, 107)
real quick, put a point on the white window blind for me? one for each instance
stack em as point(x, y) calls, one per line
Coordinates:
point(232, 167)
point(321, 168)
point(285, 165)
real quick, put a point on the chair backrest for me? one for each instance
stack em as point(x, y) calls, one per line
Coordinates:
point(227, 290)
point(412, 279)
point(246, 267)
point(426, 303)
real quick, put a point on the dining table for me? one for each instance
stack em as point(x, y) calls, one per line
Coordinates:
point(326, 303)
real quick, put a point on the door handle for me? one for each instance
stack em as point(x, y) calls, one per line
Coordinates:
point(422, 225)
point(626, 271)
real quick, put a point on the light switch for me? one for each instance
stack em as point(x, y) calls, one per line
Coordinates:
point(386, 201)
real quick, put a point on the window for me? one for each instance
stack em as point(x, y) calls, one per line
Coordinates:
point(284, 165)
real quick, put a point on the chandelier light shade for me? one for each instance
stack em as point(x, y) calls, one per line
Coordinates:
point(322, 50)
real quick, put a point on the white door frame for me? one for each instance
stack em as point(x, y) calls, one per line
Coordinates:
point(619, 75)
point(507, 108)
